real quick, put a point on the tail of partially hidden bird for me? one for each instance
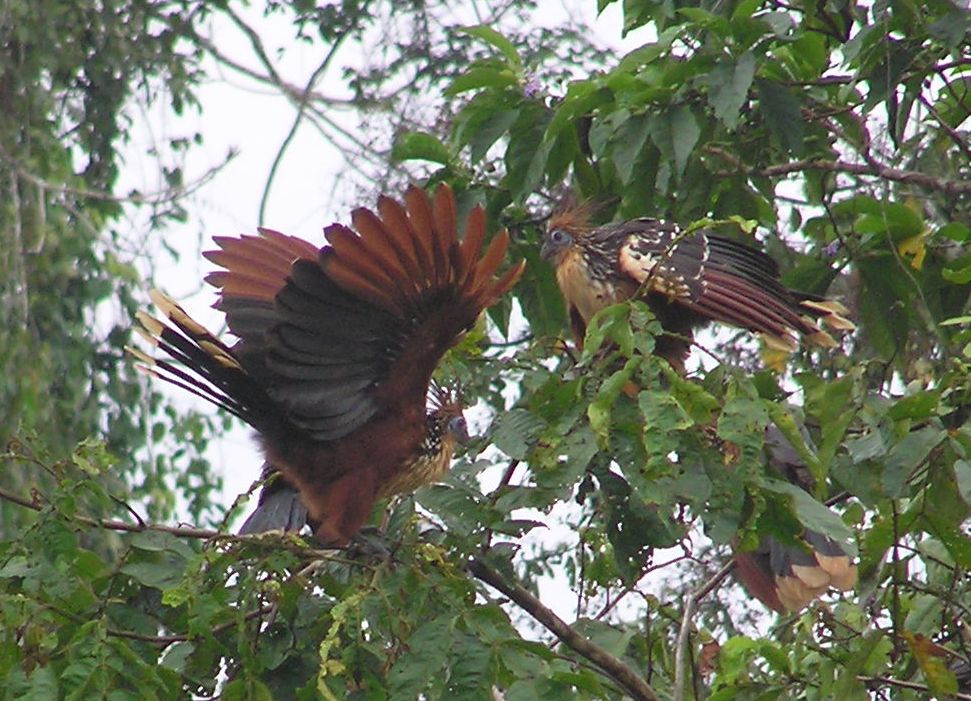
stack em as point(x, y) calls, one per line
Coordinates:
point(788, 577)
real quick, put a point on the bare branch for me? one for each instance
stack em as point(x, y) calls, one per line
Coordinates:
point(154, 198)
point(687, 621)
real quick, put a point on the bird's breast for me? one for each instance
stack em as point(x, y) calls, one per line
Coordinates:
point(589, 293)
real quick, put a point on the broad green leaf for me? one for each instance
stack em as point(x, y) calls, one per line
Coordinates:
point(962, 476)
point(782, 115)
point(932, 661)
point(493, 37)
point(814, 515)
point(648, 53)
point(482, 77)
point(958, 272)
point(416, 145)
point(176, 655)
point(675, 133)
point(898, 220)
point(613, 639)
point(427, 649)
point(907, 455)
point(691, 397)
point(600, 409)
point(516, 431)
point(728, 85)
point(921, 405)
point(956, 231)
point(628, 141)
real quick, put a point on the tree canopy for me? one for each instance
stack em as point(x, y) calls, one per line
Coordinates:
point(835, 135)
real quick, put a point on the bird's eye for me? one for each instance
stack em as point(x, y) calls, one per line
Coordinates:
point(458, 427)
point(560, 237)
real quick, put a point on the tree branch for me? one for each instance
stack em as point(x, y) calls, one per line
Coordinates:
point(684, 633)
point(908, 685)
point(949, 187)
point(113, 525)
point(612, 666)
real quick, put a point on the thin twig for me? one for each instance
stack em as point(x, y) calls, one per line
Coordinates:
point(612, 666)
point(908, 685)
point(687, 619)
point(155, 198)
point(113, 525)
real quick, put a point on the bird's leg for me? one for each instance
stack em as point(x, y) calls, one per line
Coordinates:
point(369, 543)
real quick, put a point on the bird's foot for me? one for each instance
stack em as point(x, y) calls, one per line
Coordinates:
point(369, 543)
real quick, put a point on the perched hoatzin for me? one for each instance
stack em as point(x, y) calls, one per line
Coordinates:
point(336, 351)
point(689, 279)
point(686, 279)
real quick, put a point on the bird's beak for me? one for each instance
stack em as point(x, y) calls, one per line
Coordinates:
point(546, 252)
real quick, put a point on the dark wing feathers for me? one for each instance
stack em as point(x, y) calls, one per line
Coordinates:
point(329, 337)
point(723, 280)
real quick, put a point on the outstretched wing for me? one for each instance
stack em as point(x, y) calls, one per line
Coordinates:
point(358, 327)
point(726, 281)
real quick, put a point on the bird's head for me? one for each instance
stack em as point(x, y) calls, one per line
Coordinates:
point(563, 232)
point(446, 417)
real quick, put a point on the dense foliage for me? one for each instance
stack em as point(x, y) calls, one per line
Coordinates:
point(838, 131)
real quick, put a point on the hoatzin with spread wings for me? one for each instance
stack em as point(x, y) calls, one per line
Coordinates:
point(689, 279)
point(336, 351)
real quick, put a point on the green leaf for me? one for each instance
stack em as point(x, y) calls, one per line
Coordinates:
point(177, 655)
point(691, 397)
point(782, 114)
point(814, 515)
point(957, 275)
point(956, 231)
point(482, 77)
point(605, 636)
point(159, 574)
point(900, 221)
point(728, 85)
point(921, 405)
point(628, 141)
point(675, 134)
point(424, 659)
point(246, 689)
point(516, 431)
point(420, 146)
point(907, 455)
point(962, 476)
point(648, 53)
point(599, 410)
point(505, 46)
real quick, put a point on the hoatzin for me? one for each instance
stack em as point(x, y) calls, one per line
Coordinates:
point(689, 279)
point(686, 279)
point(336, 349)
